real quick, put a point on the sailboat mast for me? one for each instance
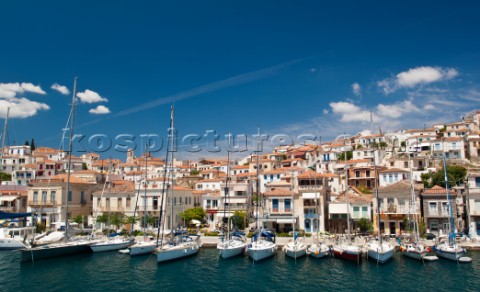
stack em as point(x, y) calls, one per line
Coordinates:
point(5, 127)
point(376, 196)
point(172, 137)
point(412, 209)
point(161, 224)
point(450, 210)
point(70, 146)
point(346, 186)
point(258, 181)
point(293, 206)
point(145, 221)
point(227, 190)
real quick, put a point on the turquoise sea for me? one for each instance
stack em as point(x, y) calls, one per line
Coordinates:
point(112, 271)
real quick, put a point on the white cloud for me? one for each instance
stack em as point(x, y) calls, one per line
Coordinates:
point(325, 111)
point(416, 76)
point(350, 112)
point(21, 107)
point(99, 110)
point(89, 96)
point(9, 90)
point(429, 107)
point(356, 88)
point(396, 110)
point(60, 88)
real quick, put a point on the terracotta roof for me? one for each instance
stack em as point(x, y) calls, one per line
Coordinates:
point(312, 174)
point(436, 190)
point(354, 197)
point(240, 167)
point(388, 170)
point(283, 192)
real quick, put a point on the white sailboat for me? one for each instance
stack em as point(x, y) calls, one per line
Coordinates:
point(318, 249)
point(296, 247)
point(448, 248)
point(234, 244)
point(378, 250)
point(146, 246)
point(414, 248)
point(179, 246)
point(263, 242)
point(109, 243)
point(15, 237)
point(69, 246)
point(344, 249)
point(263, 246)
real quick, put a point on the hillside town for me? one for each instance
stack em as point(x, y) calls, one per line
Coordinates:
point(306, 187)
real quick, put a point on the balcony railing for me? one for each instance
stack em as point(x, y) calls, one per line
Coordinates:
point(41, 203)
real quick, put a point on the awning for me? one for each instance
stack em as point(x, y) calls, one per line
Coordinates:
point(220, 214)
point(286, 221)
point(8, 198)
point(236, 200)
point(311, 196)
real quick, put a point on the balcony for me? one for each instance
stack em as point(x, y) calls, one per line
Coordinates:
point(41, 204)
point(8, 209)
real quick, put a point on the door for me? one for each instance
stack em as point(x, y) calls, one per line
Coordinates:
point(392, 226)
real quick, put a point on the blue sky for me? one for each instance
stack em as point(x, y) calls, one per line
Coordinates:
point(293, 67)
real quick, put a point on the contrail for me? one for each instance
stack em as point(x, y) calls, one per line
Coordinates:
point(210, 87)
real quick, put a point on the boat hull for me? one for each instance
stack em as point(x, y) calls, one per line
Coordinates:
point(170, 253)
point(231, 249)
point(54, 250)
point(142, 248)
point(9, 243)
point(318, 251)
point(414, 254)
point(381, 256)
point(450, 255)
point(261, 252)
point(356, 257)
point(110, 245)
point(295, 251)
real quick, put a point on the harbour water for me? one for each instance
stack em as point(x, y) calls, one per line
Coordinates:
point(112, 271)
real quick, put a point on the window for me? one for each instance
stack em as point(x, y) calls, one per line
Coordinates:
point(476, 206)
point(107, 203)
point(445, 208)
point(356, 212)
point(432, 208)
point(44, 197)
point(405, 164)
point(35, 196)
point(392, 163)
point(53, 195)
point(129, 201)
point(288, 205)
point(70, 196)
point(119, 203)
point(274, 205)
point(82, 197)
point(364, 212)
point(433, 225)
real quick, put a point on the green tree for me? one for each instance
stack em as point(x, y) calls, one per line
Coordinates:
point(455, 173)
point(117, 219)
point(238, 219)
point(197, 213)
point(84, 166)
point(32, 145)
point(78, 219)
point(341, 156)
point(194, 172)
point(27, 143)
point(5, 176)
point(365, 225)
point(383, 144)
